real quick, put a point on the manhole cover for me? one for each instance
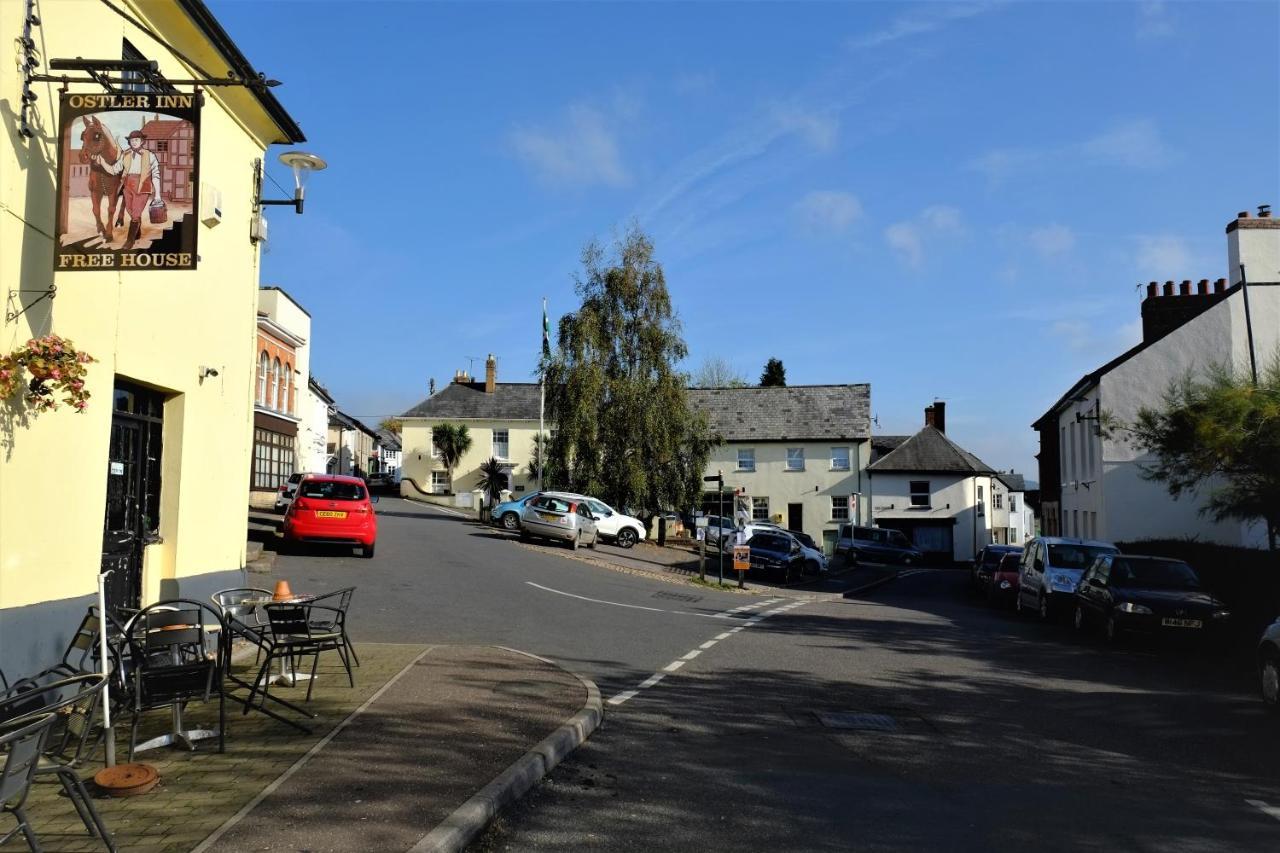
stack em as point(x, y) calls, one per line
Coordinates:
point(857, 721)
point(676, 596)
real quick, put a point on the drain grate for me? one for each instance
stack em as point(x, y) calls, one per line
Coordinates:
point(676, 596)
point(855, 721)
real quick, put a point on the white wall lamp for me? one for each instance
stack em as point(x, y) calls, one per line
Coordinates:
point(302, 164)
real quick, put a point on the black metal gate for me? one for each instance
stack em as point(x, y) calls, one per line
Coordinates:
point(133, 491)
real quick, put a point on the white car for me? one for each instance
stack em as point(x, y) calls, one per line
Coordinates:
point(624, 530)
point(284, 495)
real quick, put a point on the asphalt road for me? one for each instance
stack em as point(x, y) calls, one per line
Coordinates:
point(913, 719)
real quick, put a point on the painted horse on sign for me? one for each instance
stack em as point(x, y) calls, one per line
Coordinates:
point(96, 140)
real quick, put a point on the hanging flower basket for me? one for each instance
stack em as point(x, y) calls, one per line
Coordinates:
point(55, 367)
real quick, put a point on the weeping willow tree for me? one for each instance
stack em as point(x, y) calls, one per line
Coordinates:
point(624, 429)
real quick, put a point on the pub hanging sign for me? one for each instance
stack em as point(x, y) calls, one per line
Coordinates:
point(128, 179)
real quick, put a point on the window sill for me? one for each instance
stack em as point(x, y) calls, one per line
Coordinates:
point(744, 470)
point(842, 470)
point(793, 471)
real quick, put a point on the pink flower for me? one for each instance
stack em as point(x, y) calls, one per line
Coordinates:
point(55, 373)
point(76, 385)
point(80, 404)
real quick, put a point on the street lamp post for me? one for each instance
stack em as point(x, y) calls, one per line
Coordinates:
point(719, 480)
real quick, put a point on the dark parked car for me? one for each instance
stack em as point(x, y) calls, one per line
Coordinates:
point(876, 545)
point(1004, 580)
point(1153, 595)
point(776, 555)
point(1269, 666)
point(984, 565)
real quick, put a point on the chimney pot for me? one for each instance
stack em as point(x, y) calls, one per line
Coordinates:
point(1202, 287)
point(1264, 211)
point(1168, 288)
point(1220, 285)
point(1244, 214)
point(1152, 289)
point(1185, 288)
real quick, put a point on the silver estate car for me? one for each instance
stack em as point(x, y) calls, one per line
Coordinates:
point(559, 517)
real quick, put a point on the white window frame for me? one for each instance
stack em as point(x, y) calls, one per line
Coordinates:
point(757, 505)
point(264, 368)
point(750, 458)
point(913, 493)
point(439, 482)
point(847, 459)
point(506, 443)
point(840, 508)
point(791, 458)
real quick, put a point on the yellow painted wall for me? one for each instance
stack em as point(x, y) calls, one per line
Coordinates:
point(418, 463)
point(156, 328)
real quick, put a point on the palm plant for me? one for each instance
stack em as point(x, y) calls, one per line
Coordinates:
point(451, 442)
point(492, 480)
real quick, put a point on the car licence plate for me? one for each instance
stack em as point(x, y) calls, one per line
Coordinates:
point(329, 513)
point(1170, 622)
point(546, 516)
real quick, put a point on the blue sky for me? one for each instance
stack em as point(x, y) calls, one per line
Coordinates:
point(950, 201)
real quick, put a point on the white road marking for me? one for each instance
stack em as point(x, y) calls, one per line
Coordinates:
point(1265, 808)
point(627, 695)
point(728, 614)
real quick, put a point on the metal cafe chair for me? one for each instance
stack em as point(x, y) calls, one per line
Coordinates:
point(339, 600)
point(243, 614)
point(73, 705)
point(20, 747)
point(172, 666)
point(293, 638)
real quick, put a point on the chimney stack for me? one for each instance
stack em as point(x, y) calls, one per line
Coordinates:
point(490, 374)
point(1254, 243)
point(936, 416)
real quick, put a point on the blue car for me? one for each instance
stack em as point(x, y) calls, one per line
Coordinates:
point(507, 514)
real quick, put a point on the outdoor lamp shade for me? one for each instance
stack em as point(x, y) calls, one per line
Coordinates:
point(302, 164)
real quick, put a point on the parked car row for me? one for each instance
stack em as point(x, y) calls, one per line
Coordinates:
point(1115, 594)
point(529, 514)
point(856, 542)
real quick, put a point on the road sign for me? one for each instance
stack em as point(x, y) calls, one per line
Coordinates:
point(741, 558)
point(700, 522)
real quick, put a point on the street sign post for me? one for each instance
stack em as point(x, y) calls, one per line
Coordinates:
point(718, 479)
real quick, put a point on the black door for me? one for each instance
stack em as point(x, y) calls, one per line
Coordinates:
point(795, 517)
point(133, 491)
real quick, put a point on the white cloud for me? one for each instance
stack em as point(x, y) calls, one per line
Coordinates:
point(1154, 20)
point(1052, 239)
point(904, 238)
point(908, 238)
point(942, 218)
point(580, 150)
point(817, 127)
point(935, 17)
point(1131, 144)
point(1162, 256)
point(1093, 337)
point(829, 211)
point(1135, 144)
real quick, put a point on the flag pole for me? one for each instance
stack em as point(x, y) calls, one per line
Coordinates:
point(542, 396)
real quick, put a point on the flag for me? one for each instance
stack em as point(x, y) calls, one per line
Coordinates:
point(546, 332)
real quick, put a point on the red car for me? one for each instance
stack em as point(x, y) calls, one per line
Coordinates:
point(1003, 586)
point(332, 509)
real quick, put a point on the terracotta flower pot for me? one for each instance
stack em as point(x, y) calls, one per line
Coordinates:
point(282, 593)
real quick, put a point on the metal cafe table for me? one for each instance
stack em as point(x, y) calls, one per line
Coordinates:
point(263, 641)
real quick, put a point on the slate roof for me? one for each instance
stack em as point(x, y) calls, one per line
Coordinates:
point(883, 445)
point(791, 413)
point(388, 440)
point(1015, 482)
point(931, 451)
point(510, 401)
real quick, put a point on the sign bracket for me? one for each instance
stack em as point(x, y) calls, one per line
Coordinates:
point(12, 313)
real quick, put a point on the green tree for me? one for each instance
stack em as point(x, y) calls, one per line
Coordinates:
point(394, 425)
point(1222, 432)
point(624, 429)
point(451, 442)
point(774, 375)
point(492, 481)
